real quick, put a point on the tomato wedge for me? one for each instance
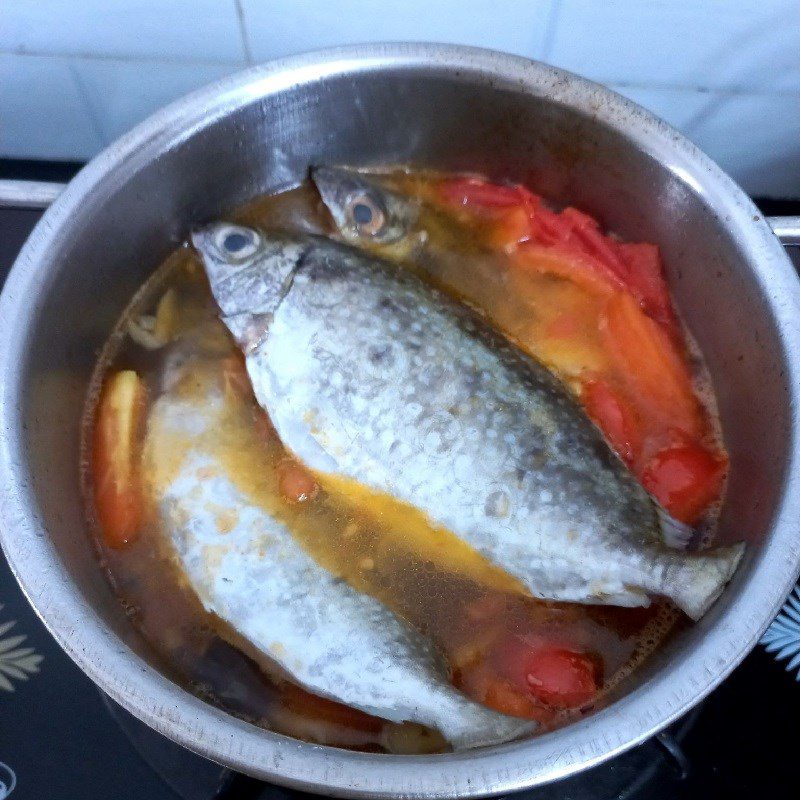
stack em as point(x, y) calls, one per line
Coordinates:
point(117, 491)
point(648, 359)
point(685, 479)
point(617, 419)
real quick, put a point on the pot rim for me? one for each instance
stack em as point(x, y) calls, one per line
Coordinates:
point(207, 730)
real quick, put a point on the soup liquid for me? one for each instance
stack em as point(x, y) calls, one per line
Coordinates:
point(424, 574)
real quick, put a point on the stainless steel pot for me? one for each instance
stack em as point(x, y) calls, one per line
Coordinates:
point(430, 105)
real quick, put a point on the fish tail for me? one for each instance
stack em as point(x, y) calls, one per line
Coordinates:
point(699, 579)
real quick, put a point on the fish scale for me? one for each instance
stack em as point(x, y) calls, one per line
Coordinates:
point(368, 373)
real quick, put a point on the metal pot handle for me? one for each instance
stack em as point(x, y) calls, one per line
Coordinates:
point(39, 194)
point(29, 194)
point(787, 229)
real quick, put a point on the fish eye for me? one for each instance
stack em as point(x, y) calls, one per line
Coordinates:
point(365, 215)
point(234, 242)
point(237, 243)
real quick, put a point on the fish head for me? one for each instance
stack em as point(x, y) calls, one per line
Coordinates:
point(249, 272)
point(366, 212)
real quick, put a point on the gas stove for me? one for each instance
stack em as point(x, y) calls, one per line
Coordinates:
point(60, 737)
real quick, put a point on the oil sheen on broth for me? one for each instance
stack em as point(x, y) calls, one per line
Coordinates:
point(472, 611)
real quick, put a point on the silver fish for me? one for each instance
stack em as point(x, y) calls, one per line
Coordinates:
point(252, 574)
point(370, 374)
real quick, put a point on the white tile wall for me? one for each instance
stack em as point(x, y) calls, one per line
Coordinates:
point(754, 137)
point(192, 30)
point(75, 75)
point(280, 27)
point(717, 44)
point(42, 114)
point(121, 93)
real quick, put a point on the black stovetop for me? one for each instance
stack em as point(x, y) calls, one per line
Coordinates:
point(63, 739)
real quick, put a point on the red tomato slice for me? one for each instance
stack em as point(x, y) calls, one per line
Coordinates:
point(586, 230)
point(636, 266)
point(615, 417)
point(547, 227)
point(561, 678)
point(549, 673)
point(649, 361)
point(561, 262)
point(470, 191)
point(645, 277)
point(685, 479)
point(117, 492)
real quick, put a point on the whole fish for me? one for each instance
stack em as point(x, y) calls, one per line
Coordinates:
point(248, 570)
point(369, 373)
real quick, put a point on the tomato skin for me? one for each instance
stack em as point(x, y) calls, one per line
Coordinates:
point(685, 479)
point(524, 217)
point(472, 191)
point(612, 414)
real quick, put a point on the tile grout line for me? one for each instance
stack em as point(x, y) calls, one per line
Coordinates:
point(128, 59)
point(91, 111)
point(550, 29)
point(703, 90)
point(248, 54)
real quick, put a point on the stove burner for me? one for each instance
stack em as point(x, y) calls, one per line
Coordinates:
point(660, 762)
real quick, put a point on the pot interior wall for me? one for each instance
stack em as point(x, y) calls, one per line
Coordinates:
point(417, 116)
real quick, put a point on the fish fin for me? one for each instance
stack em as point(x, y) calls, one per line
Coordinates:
point(676, 534)
point(702, 577)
